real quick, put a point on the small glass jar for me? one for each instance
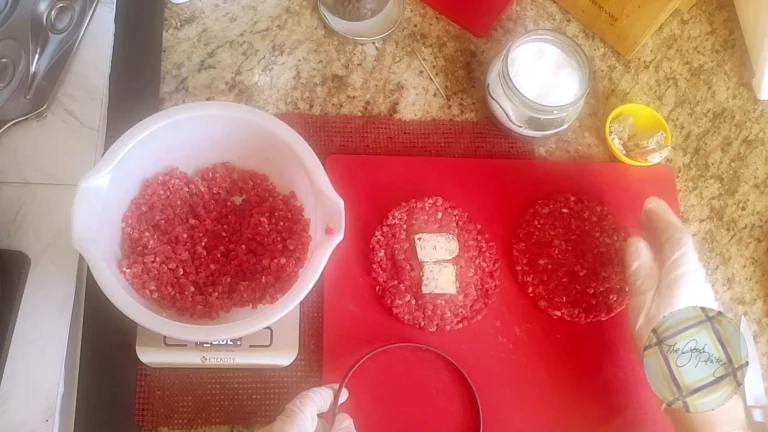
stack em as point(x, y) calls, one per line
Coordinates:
point(539, 115)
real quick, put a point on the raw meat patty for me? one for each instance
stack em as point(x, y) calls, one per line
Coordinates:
point(397, 270)
point(569, 254)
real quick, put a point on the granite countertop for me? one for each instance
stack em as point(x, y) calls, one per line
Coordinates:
point(277, 55)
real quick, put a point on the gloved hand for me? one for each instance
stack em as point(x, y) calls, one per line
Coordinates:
point(301, 414)
point(664, 274)
point(663, 270)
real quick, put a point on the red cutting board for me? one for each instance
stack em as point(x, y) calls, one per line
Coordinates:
point(479, 17)
point(532, 372)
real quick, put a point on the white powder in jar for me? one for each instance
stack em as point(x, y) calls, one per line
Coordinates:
point(545, 74)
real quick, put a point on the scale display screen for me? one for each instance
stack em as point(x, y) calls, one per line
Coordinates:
point(223, 343)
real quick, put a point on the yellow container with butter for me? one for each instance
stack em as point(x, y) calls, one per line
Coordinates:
point(637, 135)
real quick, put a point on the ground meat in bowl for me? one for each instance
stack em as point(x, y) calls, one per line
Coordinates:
point(223, 237)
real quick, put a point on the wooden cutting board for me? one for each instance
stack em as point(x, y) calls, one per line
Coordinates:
point(532, 372)
point(623, 24)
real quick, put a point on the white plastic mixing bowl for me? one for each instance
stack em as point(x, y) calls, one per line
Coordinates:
point(191, 137)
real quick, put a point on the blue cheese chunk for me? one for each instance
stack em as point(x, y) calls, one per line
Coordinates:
point(432, 247)
point(438, 278)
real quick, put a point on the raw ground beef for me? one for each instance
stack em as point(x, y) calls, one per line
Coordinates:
point(203, 244)
point(569, 256)
point(397, 270)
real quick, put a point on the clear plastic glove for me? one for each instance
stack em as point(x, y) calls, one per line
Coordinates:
point(664, 274)
point(663, 270)
point(301, 414)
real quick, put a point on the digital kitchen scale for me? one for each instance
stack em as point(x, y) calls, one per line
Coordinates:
point(273, 347)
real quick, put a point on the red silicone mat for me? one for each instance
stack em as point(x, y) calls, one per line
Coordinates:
point(532, 372)
point(479, 17)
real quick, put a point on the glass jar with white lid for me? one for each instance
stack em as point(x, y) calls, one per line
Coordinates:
point(538, 85)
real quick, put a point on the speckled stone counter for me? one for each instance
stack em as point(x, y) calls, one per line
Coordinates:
point(277, 55)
